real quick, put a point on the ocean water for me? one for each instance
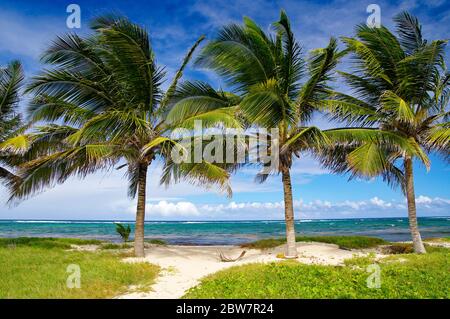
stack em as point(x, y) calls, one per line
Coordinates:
point(227, 232)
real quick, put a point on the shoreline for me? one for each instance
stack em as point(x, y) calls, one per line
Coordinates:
point(226, 232)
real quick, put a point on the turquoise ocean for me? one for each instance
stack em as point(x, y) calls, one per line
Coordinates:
point(226, 232)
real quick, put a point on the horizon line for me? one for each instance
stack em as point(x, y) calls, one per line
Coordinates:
point(217, 221)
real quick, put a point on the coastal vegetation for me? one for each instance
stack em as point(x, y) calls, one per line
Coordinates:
point(402, 276)
point(155, 241)
point(109, 246)
point(38, 268)
point(344, 242)
point(443, 239)
point(46, 242)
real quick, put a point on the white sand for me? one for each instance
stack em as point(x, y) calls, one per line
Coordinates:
point(183, 266)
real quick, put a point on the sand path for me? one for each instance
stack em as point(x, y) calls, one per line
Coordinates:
point(183, 266)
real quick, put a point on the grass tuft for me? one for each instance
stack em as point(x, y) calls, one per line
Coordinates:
point(156, 242)
point(398, 248)
point(115, 246)
point(438, 240)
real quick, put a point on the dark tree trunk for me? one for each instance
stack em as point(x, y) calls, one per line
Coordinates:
point(411, 200)
point(291, 248)
point(140, 212)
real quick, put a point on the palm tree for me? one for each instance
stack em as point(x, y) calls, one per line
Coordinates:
point(265, 72)
point(400, 85)
point(103, 104)
point(123, 231)
point(11, 80)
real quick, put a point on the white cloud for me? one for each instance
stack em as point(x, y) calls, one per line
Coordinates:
point(170, 210)
point(379, 202)
point(423, 200)
point(374, 207)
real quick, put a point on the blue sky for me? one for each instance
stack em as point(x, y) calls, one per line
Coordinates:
point(26, 27)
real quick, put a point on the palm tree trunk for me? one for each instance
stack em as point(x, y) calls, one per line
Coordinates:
point(140, 212)
point(291, 248)
point(411, 200)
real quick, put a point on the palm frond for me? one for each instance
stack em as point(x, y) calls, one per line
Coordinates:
point(265, 106)
point(403, 112)
point(240, 55)
point(292, 64)
point(17, 144)
point(51, 108)
point(173, 86)
point(321, 64)
point(345, 108)
point(409, 31)
point(204, 174)
point(369, 60)
point(57, 167)
point(11, 79)
point(192, 100)
point(308, 138)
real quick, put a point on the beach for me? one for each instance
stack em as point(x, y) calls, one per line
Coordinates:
point(326, 267)
point(187, 252)
point(184, 266)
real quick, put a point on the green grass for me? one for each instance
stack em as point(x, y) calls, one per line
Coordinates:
point(439, 240)
point(156, 242)
point(115, 246)
point(402, 276)
point(344, 242)
point(399, 248)
point(46, 242)
point(32, 268)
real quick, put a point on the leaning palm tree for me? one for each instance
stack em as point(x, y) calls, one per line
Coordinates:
point(265, 74)
point(400, 85)
point(103, 105)
point(11, 80)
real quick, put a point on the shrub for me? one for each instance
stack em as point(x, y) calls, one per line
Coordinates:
point(46, 242)
point(115, 246)
point(398, 248)
point(123, 231)
point(156, 242)
point(344, 242)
